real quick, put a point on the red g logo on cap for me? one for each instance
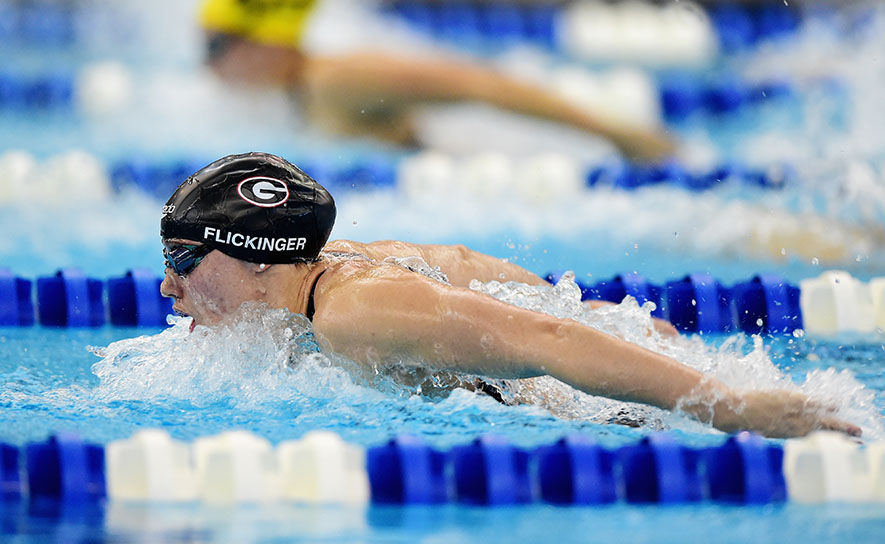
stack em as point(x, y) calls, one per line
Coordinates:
point(263, 191)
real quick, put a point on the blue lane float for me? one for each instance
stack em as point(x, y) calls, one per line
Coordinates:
point(66, 469)
point(699, 303)
point(767, 304)
point(745, 469)
point(629, 177)
point(134, 300)
point(16, 305)
point(407, 471)
point(482, 24)
point(660, 470)
point(490, 471)
point(741, 27)
point(36, 93)
point(683, 96)
point(70, 299)
point(10, 477)
point(575, 470)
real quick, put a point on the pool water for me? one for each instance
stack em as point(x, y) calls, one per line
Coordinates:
point(50, 382)
point(264, 375)
point(456, 524)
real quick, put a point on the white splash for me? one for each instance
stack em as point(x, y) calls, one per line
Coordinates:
point(729, 363)
point(261, 355)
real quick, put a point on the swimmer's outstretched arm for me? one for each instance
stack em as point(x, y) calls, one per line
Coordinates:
point(396, 315)
point(366, 80)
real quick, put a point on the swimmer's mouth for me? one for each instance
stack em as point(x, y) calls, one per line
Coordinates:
point(184, 314)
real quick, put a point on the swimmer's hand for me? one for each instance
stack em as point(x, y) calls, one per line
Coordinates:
point(777, 414)
point(643, 145)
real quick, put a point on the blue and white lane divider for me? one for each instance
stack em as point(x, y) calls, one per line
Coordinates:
point(71, 299)
point(671, 33)
point(321, 468)
point(108, 87)
point(43, 23)
point(416, 174)
point(831, 303)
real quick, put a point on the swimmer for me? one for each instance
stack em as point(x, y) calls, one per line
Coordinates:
point(254, 227)
point(376, 93)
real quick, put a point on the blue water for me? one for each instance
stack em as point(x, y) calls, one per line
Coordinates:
point(46, 384)
point(829, 131)
point(135, 523)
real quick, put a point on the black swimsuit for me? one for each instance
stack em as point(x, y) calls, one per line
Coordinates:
point(311, 307)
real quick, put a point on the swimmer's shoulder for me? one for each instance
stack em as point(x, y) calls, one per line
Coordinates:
point(382, 249)
point(351, 273)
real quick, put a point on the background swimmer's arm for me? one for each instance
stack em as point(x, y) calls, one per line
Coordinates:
point(372, 317)
point(360, 82)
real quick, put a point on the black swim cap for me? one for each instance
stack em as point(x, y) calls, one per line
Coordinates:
point(256, 207)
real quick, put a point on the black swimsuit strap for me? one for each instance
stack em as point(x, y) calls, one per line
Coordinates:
point(311, 309)
point(491, 390)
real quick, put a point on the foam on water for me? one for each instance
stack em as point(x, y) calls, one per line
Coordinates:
point(262, 354)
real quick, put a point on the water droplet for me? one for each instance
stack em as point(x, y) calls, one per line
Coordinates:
point(815, 261)
point(675, 234)
point(354, 223)
point(759, 322)
point(694, 302)
point(783, 251)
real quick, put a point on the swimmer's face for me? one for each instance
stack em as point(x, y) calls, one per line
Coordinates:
point(216, 288)
point(247, 62)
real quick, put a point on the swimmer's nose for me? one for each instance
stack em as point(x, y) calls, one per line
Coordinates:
point(169, 287)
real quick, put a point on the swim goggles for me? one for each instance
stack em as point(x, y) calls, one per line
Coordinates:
point(183, 258)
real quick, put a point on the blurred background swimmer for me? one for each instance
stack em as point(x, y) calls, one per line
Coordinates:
point(358, 72)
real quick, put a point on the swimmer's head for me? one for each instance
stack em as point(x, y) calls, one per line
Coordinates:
point(270, 22)
point(255, 207)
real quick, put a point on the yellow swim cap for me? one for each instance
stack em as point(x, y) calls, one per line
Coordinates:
point(274, 22)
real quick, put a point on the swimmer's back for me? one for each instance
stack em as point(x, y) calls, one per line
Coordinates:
point(459, 263)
